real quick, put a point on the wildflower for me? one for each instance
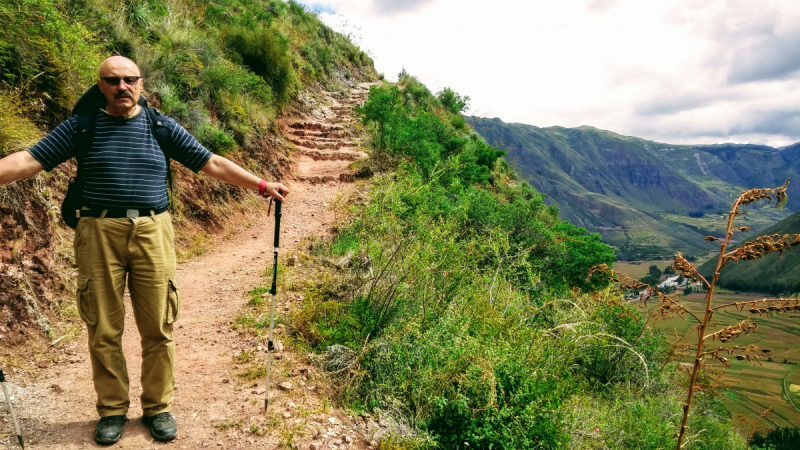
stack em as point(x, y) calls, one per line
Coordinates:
point(597, 430)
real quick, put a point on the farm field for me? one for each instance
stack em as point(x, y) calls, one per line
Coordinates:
point(750, 389)
point(638, 269)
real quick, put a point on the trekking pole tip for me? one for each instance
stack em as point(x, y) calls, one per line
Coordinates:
point(266, 404)
point(21, 444)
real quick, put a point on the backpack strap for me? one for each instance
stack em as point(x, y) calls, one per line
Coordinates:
point(84, 139)
point(160, 129)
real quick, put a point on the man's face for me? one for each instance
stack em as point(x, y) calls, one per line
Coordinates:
point(120, 95)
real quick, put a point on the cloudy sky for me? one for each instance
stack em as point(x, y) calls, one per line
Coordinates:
point(676, 71)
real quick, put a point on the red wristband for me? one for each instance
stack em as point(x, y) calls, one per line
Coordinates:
point(262, 187)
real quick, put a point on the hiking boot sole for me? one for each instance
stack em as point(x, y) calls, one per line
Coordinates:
point(107, 441)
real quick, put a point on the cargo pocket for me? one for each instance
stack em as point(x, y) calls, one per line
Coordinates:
point(173, 301)
point(83, 299)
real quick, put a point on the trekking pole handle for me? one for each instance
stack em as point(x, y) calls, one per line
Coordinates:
point(278, 214)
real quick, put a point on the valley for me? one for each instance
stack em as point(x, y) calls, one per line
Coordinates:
point(646, 199)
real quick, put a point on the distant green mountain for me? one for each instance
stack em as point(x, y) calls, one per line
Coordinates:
point(645, 198)
point(771, 274)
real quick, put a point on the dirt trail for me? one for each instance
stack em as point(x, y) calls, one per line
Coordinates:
point(213, 406)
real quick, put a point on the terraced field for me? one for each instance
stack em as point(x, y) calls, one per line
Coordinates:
point(749, 389)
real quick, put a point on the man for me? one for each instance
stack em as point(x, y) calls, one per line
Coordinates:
point(124, 233)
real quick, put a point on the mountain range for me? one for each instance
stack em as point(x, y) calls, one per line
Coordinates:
point(647, 199)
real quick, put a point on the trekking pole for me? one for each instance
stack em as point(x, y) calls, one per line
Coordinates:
point(273, 291)
point(11, 408)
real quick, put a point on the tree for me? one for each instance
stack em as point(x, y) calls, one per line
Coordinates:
point(654, 271)
point(454, 103)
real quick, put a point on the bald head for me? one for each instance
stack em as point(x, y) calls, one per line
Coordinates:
point(116, 64)
point(120, 81)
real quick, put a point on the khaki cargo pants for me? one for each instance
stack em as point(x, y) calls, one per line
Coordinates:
point(141, 250)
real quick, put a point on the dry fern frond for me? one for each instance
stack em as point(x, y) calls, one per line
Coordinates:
point(762, 246)
point(728, 333)
point(625, 281)
point(740, 353)
point(754, 195)
point(685, 268)
point(764, 306)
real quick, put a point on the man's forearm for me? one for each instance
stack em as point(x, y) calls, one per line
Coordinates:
point(17, 166)
point(225, 170)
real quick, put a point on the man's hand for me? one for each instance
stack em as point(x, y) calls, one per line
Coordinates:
point(275, 190)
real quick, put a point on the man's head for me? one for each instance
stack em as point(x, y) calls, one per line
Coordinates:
point(119, 80)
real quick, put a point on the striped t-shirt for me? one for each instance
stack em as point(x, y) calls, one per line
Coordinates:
point(125, 167)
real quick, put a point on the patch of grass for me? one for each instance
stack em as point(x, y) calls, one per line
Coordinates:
point(253, 372)
point(194, 244)
point(222, 426)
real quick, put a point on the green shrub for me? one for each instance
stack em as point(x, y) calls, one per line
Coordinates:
point(266, 53)
point(629, 420)
point(452, 101)
point(216, 139)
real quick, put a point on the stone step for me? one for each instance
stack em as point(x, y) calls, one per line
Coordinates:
point(317, 155)
point(317, 134)
point(320, 179)
point(331, 145)
point(316, 126)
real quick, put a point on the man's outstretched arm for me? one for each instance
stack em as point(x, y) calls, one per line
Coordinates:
point(17, 166)
point(225, 170)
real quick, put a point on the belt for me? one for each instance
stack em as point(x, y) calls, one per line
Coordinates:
point(116, 213)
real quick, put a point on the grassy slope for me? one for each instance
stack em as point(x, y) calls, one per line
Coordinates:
point(638, 193)
point(225, 69)
point(773, 273)
point(440, 310)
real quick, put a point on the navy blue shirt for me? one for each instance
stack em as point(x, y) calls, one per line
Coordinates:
point(125, 167)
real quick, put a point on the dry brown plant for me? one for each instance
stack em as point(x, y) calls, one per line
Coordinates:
point(668, 304)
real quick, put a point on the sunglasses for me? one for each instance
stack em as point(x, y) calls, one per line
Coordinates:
point(113, 81)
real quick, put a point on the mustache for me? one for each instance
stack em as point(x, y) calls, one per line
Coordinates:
point(121, 94)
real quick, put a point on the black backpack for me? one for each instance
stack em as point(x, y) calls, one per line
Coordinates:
point(87, 108)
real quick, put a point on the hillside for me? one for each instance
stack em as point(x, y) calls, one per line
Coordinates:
point(773, 274)
point(647, 199)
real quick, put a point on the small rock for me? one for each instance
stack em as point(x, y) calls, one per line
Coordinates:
point(44, 365)
point(259, 391)
point(221, 444)
point(315, 446)
point(260, 348)
point(286, 386)
point(332, 421)
point(287, 415)
point(347, 439)
point(225, 381)
point(279, 346)
point(292, 405)
point(75, 359)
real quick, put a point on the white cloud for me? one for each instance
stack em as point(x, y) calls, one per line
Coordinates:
point(670, 70)
point(601, 6)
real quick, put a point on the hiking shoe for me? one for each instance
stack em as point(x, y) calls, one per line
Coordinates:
point(162, 426)
point(109, 429)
